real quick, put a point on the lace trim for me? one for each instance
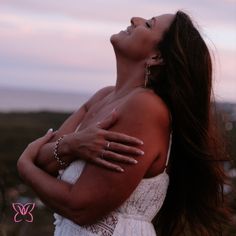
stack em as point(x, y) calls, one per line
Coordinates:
point(147, 198)
point(104, 227)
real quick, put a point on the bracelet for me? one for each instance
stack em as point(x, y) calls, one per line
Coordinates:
point(56, 156)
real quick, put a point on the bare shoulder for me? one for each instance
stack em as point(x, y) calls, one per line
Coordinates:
point(100, 94)
point(146, 105)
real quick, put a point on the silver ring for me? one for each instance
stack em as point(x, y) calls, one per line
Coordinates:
point(108, 145)
point(102, 154)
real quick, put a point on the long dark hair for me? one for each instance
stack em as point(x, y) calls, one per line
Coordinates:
point(194, 198)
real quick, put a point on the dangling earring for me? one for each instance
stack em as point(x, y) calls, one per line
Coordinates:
point(147, 74)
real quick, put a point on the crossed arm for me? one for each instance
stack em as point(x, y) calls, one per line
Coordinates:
point(88, 143)
point(149, 121)
point(45, 158)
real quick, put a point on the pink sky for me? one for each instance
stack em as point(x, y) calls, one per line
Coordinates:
point(64, 45)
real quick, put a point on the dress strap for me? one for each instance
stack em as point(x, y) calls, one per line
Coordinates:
point(169, 149)
point(170, 140)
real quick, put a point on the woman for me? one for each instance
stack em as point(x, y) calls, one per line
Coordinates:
point(163, 71)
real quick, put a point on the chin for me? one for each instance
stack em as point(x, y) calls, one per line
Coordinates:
point(119, 43)
point(114, 38)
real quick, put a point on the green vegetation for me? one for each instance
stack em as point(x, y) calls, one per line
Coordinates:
point(17, 130)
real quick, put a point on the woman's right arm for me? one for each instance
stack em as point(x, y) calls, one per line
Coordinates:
point(45, 159)
point(89, 143)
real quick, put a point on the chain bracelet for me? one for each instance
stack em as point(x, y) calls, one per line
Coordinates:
point(56, 155)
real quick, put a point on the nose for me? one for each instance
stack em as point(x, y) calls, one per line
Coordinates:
point(136, 21)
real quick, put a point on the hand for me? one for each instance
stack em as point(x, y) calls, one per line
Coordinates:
point(98, 145)
point(31, 151)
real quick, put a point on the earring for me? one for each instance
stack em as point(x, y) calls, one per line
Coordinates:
point(147, 74)
point(160, 60)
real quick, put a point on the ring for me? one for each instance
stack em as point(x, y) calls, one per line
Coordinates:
point(98, 124)
point(102, 154)
point(108, 145)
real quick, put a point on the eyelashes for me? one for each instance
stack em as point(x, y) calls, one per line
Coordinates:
point(148, 25)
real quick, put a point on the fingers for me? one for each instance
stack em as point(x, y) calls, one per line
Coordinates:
point(115, 136)
point(119, 137)
point(118, 157)
point(108, 121)
point(106, 154)
point(117, 147)
point(34, 147)
point(109, 165)
point(43, 140)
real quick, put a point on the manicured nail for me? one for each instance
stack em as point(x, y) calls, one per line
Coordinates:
point(141, 153)
point(50, 130)
point(140, 142)
point(134, 161)
point(120, 169)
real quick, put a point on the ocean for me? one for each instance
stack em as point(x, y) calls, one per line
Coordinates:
point(12, 99)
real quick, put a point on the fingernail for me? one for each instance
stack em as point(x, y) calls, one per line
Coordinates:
point(141, 153)
point(141, 142)
point(113, 110)
point(134, 161)
point(50, 130)
point(120, 169)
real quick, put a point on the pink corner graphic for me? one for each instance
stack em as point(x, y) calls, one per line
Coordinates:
point(23, 210)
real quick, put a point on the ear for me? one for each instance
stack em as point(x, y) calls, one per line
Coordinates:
point(155, 60)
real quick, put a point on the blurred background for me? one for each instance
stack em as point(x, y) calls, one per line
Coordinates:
point(55, 54)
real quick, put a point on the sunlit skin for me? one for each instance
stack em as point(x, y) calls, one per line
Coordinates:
point(133, 50)
point(138, 40)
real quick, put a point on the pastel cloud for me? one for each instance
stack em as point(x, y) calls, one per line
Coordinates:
point(64, 45)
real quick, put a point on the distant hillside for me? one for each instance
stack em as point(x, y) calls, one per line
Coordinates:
point(17, 130)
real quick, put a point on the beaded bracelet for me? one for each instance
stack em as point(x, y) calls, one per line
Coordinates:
point(56, 156)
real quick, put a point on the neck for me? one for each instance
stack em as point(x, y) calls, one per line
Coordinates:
point(130, 74)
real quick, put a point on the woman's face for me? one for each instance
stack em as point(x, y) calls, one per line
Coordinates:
point(139, 40)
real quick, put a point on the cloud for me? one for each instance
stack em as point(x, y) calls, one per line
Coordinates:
point(62, 42)
point(65, 44)
point(120, 10)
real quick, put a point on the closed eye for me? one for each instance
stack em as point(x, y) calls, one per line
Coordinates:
point(148, 25)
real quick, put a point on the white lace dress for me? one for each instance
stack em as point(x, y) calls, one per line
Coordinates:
point(132, 218)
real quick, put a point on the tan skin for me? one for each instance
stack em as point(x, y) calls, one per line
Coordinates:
point(89, 143)
point(141, 113)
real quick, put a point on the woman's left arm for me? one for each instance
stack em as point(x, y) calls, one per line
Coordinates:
point(52, 191)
